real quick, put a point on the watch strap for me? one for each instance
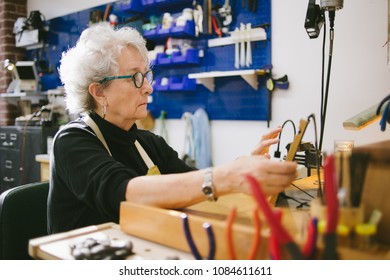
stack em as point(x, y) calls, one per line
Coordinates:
point(207, 186)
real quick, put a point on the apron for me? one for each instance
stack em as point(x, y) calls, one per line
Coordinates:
point(152, 168)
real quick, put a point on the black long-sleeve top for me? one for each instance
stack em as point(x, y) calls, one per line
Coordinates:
point(87, 184)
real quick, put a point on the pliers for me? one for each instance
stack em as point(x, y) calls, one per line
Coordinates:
point(229, 234)
point(191, 243)
point(332, 207)
point(281, 235)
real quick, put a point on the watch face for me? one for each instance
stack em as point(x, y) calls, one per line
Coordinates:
point(207, 190)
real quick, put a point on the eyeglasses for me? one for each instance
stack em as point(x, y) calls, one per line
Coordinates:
point(138, 78)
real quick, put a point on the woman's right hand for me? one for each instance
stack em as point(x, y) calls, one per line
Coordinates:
point(273, 176)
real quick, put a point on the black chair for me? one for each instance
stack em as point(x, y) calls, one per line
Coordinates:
point(22, 217)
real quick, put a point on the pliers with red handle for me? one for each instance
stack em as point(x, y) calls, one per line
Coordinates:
point(281, 235)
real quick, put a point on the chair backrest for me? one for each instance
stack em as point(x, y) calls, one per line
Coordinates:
point(23, 216)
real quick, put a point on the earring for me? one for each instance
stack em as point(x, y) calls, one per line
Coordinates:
point(104, 111)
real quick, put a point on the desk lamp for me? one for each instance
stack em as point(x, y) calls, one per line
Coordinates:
point(370, 115)
point(9, 66)
point(314, 20)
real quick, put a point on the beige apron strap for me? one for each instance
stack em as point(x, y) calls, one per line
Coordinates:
point(153, 169)
point(149, 163)
point(91, 123)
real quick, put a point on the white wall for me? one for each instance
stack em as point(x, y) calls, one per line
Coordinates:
point(51, 9)
point(360, 75)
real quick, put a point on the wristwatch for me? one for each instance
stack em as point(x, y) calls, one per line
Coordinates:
point(207, 186)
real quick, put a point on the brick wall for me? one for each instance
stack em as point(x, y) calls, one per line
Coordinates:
point(10, 10)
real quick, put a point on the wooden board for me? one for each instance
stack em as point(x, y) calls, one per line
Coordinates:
point(166, 227)
point(57, 246)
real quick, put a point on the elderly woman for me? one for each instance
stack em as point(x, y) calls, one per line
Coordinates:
point(101, 158)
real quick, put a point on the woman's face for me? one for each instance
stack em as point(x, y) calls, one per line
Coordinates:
point(125, 102)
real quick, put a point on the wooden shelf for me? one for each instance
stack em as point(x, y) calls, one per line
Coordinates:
point(255, 34)
point(23, 94)
point(207, 78)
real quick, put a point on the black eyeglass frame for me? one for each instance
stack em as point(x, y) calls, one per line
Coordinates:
point(144, 75)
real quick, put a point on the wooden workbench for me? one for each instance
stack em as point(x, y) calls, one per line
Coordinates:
point(44, 161)
point(158, 233)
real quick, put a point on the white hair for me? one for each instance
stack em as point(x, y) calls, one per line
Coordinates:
point(94, 57)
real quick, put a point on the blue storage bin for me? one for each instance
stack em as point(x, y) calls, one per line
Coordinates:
point(153, 62)
point(147, 2)
point(158, 3)
point(160, 86)
point(164, 32)
point(150, 34)
point(164, 59)
point(184, 31)
point(182, 83)
point(132, 6)
point(191, 57)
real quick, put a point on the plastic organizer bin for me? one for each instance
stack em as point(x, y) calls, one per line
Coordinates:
point(163, 2)
point(147, 2)
point(151, 34)
point(131, 6)
point(191, 57)
point(181, 83)
point(163, 59)
point(161, 84)
point(185, 31)
point(175, 83)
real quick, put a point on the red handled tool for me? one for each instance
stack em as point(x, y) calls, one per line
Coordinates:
point(229, 234)
point(332, 209)
point(277, 229)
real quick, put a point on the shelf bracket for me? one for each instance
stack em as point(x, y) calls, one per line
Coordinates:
point(207, 79)
point(251, 79)
point(207, 82)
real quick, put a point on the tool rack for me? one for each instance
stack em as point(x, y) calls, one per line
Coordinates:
point(227, 97)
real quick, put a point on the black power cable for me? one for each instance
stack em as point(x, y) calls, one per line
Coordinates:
point(277, 152)
point(324, 96)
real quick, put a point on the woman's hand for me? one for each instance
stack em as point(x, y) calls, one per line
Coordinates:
point(274, 176)
point(266, 141)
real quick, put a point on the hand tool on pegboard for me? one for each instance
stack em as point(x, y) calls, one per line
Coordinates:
point(206, 25)
point(281, 83)
point(221, 18)
point(225, 13)
point(209, 24)
point(252, 5)
point(216, 21)
point(198, 16)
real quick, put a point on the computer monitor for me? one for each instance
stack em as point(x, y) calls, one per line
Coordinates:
point(26, 76)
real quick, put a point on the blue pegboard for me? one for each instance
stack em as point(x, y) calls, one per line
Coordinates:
point(233, 98)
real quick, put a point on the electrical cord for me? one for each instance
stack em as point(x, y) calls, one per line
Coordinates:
point(302, 190)
point(303, 203)
point(318, 156)
point(35, 114)
point(385, 115)
point(324, 101)
point(277, 152)
point(378, 110)
point(323, 69)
